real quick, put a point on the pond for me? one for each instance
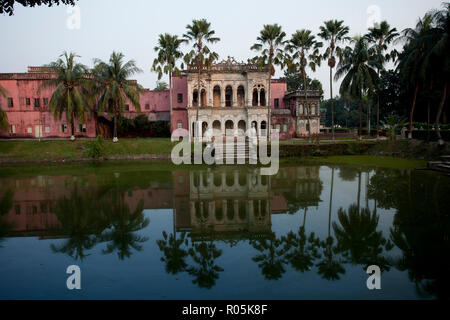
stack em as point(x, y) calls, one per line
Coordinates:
point(153, 231)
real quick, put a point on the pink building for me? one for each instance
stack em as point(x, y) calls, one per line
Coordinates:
point(29, 116)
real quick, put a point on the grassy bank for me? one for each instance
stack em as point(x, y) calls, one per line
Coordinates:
point(58, 150)
point(160, 148)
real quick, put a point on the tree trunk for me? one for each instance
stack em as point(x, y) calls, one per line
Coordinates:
point(72, 124)
point(307, 106)
point(378, 108)
point(331, 201)
point(115, 125)
point(411, 115)
point(170, 101)
point(368, 117)
point(438, 116)
point(359, 190)
point(269, 109)
point(332, 103)
point(360, 120)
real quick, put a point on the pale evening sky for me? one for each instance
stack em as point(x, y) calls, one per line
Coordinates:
point(36, 36)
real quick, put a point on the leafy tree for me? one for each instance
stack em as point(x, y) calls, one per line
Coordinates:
point(270, 44)
point(295, 83)
point(70, 86)
point(7, 6)
point(169, 52)
point(113, 86)
point(334, 32)
point(303, 52)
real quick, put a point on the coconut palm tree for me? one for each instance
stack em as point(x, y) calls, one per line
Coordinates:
point(199, 33)
point(113, 86)
point(271, 257)
point(168, 50)
point(334, 32)
point(3, 115)
point(303, 49)
point(270, 43)
point(413, 65)
point(358, 70)
point(380, 36)
point(70, 85)
point(438, 54)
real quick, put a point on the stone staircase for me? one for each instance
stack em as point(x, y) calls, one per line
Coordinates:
point(233, 152)
point(441, 166)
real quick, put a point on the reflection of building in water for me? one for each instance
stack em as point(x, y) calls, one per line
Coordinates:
point(228, 201)
point(299, 187)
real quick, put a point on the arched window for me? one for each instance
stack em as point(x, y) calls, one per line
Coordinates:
point(228, 96)
point(195, 98)
point(229, 126)
point(255, 98)
point(203, 98)
point(241, 96)
point(216, 96)
point(262, 98)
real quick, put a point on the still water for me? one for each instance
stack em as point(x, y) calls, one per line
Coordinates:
point(150, 231)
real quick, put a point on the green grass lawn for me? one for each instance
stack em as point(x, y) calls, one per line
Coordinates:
point(56, 150)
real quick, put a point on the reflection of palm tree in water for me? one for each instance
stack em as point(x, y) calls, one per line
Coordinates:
point(6, 203)
point(80, 218)
point(271, 259)
point(358, 238)
point(301, 249)
point(174, 254)
point(328, 267)
point(122, 226)
point(204, 270)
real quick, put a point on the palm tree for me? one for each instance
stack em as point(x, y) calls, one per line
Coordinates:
point(304, 48)
point(335, 32)
point(113, 86)
point(200, 34)
point(70, 88)
point(380, 36)
point(412, 63)
point(270, 43)
point(3, 115)
point(358, 68)
point(168, 50)
point(439, 55)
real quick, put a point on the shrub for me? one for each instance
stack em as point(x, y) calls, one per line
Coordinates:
point(94, 149)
